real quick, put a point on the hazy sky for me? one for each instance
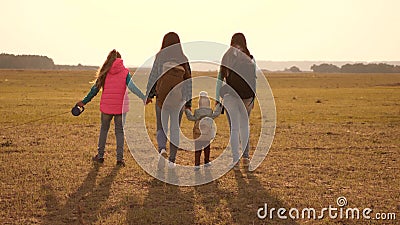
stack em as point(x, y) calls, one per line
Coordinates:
point(84, 31)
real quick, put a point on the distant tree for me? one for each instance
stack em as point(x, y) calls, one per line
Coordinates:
point(294, 69)
point(369, 68)
point(325, 68)
point(9, 61)
point(353, 68)
point(356, 68)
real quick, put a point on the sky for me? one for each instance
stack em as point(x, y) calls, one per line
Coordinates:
point(76, 31)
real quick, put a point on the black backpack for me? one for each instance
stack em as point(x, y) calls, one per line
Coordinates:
point(242, 76)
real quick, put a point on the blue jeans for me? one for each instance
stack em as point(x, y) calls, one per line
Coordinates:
point(175, 118)
point(119, 121)
point(239, 124)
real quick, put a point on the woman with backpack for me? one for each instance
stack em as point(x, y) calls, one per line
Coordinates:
point(238, 70)
point(170, 68)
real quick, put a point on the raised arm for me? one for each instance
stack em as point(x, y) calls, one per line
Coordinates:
point(217, 111)
point(133, 88)
point(189, 115)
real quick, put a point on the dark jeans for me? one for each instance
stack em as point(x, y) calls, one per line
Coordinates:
point(119, 134)
point(199, 145)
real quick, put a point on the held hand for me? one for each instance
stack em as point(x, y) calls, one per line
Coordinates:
point(148, 100)
point(80, 104)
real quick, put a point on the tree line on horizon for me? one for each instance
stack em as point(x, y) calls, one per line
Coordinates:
point(10, 61)
point(356, 68)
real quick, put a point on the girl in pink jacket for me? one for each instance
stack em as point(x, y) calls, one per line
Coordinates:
point(113, 78)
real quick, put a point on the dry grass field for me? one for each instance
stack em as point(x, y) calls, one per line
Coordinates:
point(336, 135)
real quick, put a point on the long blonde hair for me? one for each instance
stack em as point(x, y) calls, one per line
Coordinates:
point(102, 72)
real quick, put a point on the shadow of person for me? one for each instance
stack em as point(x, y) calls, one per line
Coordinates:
point(82, 206)
point(164, 203)
point(208, 195)
point(251, 197)
point(236, 200)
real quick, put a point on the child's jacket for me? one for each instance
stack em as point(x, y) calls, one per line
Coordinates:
point(114, 99)
point(200, 114)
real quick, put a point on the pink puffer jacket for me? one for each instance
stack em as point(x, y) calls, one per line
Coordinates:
point(114, 99)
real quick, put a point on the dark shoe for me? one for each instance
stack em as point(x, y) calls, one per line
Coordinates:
point(97, 159)
point(121, 163)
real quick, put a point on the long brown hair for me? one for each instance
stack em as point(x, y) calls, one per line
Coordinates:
point(239, 41)
point(102, 72)
point(169, 39)
point(171, 45)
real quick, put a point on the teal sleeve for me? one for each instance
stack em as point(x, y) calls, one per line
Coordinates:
point(93, 92)
point(155, 73)
point(133, 88)
point(255, 69)
point(219, 84)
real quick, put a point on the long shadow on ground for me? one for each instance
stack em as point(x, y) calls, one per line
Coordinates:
point(240, 205)
point(84, 204)
point(252, 196)
point(164, 204)
point(213, 203)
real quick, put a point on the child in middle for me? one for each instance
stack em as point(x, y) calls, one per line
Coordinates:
point(203, 131)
